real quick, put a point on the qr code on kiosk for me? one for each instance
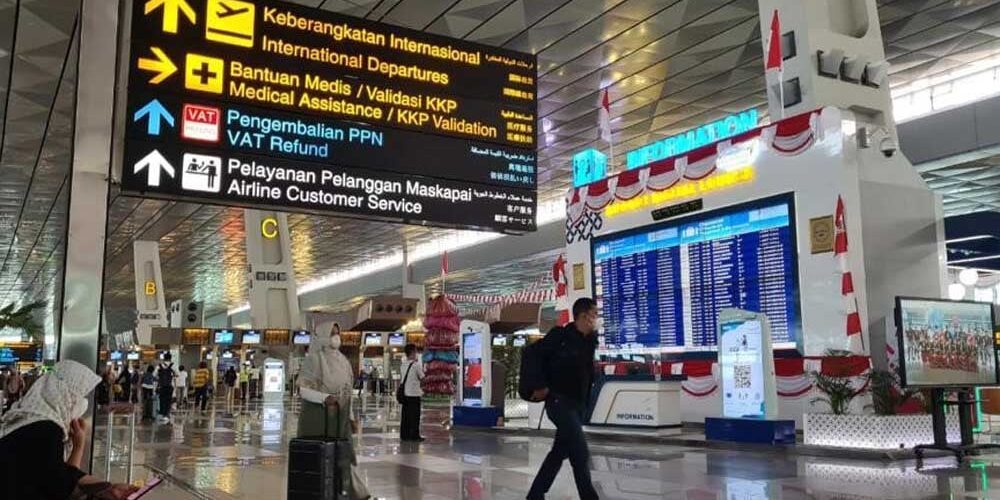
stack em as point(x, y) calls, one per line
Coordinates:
point(741, 376)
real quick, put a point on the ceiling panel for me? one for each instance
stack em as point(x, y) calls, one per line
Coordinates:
point(668, 64)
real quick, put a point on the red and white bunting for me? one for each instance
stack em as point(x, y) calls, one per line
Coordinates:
point(788, 137)
point(853, 318)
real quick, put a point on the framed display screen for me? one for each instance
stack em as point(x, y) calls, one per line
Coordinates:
point(224, 336)
point(397, 339)
point(251, 337)
point(520, 341)
point(116, 355)
point(662, 286)
point(500, 340)
point(132, 356)
point(945, 343)
point(373, 339)
point(300, 337)
point(472, 373)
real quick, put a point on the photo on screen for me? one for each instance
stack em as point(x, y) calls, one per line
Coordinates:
point(945, 343)
point(662, 286)
point(472, 368)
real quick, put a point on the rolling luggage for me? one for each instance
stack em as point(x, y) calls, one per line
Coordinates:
point(317, 465)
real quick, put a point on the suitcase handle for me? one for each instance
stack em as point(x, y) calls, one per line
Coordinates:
point(326, 418)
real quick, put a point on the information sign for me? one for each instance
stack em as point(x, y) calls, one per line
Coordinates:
point(748, 385)
point(219, 87)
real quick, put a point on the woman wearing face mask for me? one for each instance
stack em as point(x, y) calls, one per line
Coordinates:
point(326, 379)
point(33, 436)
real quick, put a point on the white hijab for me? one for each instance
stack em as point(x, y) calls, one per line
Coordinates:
point(58, 396)
point(326, 369)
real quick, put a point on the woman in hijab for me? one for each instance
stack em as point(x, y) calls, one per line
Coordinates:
point(34, 462)
point(327, 380)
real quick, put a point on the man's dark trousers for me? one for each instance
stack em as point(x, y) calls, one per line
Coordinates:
point(570, 443)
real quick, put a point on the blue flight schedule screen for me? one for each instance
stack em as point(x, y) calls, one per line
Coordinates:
point(664, 286)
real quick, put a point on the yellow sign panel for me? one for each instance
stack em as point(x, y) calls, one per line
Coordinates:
point(230, 21)
point(204, 73)
point(269, 228)
point(150, 288)
point(692, 189)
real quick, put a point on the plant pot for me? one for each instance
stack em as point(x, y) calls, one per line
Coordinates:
point(880, 432)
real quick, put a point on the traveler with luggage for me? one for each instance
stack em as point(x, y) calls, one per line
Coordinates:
point(229, 378)
point(325, 384)
point(409, 394)
point(34, 435)
point(559, 369)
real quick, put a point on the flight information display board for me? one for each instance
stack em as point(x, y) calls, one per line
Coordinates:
point(276, 105)
point(663, 286)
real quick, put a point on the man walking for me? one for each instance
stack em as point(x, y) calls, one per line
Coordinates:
point(568, 356)
point(165, 376)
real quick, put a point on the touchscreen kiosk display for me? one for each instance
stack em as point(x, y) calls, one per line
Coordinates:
point(472, 365)
point(946, 343)
point(662, 286)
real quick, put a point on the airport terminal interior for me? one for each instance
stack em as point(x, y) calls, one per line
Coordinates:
point(775, 222)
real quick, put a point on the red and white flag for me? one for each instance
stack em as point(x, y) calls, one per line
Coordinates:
point(604, 117)
point(853, 326)
point(774, 59)
point(774, 62)
point(444, 263)
point(562, 290)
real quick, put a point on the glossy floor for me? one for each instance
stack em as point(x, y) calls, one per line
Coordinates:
point(239, 452)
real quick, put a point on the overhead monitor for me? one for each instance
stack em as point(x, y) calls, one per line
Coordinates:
point(397, 339)
point(275, 105)
point(251, 337)
point(500, 340)
point(373, 339)
point(116, 355)
point(520, 341)
point(945, 343)
point(132, 356)
point(300, 337)
point(662, 286)
point(227, 354)
point(225, 337)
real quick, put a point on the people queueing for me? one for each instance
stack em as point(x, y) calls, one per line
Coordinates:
point(34, 434)
point(165, 376)
point(148, 390)
point(201, 381)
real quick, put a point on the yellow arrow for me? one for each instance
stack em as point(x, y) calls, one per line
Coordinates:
point(171, 12)
point(162, 66)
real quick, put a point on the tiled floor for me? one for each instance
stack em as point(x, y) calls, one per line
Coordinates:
point(240, 453)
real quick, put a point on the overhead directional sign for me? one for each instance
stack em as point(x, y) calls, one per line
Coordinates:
point(322, 94)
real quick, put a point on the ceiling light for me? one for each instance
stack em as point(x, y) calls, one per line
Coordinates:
point(956, 291)
point(968, 277)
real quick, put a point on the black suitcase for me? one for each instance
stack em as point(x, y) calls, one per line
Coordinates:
point(316, 465)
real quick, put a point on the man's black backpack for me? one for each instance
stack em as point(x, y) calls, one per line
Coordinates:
point(534, 367)
point(165, 374)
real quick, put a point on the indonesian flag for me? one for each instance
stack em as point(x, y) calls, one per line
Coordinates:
point(604, 118)
point(774, 60)
point(853, 327)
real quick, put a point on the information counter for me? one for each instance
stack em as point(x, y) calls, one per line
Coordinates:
point(637, 401)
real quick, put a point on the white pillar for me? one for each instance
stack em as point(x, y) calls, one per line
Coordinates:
point(274, 302)
point(838, 60)
point(149, 300)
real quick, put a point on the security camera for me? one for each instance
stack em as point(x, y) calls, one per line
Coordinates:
point(888, 147)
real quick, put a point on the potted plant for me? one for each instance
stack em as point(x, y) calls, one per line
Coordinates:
point(22, 319)
point(897, 419)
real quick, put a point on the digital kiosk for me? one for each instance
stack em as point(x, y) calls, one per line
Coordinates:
point(474, 382)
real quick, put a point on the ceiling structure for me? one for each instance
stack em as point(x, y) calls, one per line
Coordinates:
point(668, 65)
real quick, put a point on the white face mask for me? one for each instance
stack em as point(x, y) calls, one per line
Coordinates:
point(335, 342)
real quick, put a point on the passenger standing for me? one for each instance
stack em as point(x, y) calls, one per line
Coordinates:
point(148, 388)
point(244, 382)
point(326, 380)
point(200, 382)
point(413, 374)
point(165, 376)
point(125, 382)
point(230, 380)
point(568, 354)
point(254, 376)
point(182, 387)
